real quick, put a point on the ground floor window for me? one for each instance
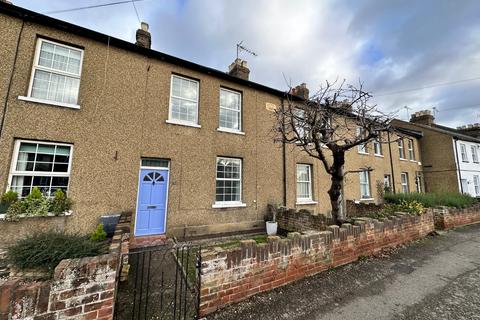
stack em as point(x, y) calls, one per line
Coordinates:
point(228, 181)
point(418, 183)
point(44, 165)
point(476, 184)
point(304, 183)
point(387, 183)
point(404, 181)
point(365, 185)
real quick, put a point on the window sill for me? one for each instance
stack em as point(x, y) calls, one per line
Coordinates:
point(49, 102)
point(366, 199)
point(220, 205)
point(403, 159)
point(230, 131)
point(379, 155)
point(181, 123)
point(364, 153)
point(306, 202)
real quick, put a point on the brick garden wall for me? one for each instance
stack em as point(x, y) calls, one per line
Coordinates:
point(447, 218)
point(361, 209)
point(80, 289)
point(299, 221)
point(235, 274)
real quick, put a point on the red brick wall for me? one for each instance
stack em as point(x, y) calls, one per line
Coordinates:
point(302, 220)
point(447, 218)
point(81, 288)
point(235, 274)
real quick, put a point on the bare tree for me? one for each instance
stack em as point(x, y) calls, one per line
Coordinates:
point(334, 120)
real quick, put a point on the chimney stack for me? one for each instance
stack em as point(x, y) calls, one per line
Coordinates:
point(239, 69)
point(472, 130)
point(301, 91)
point(144, 38)
point(423, 117)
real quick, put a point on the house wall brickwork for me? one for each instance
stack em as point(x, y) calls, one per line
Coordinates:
point(233, 275)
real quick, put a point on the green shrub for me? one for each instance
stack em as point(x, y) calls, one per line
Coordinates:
point(35, 204)
point(59, 203)
point(45, 250)
point(410, 207)
point(9, 197)
point(14, 211)
point(99, 234)
point(429, 200)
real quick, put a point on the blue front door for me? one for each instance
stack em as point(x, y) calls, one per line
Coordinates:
point(152, 202)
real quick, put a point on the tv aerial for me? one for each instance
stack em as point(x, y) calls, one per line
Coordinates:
point(241, 48)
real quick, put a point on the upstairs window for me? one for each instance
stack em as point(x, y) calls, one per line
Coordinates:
point(401, 150)
point(411, 152)
point(230, 110)
point(56, 72)
point(365, 185)
point(377, 147)
point(304, 183)
point(404, 182)
point(184, 101)
point(474, 154)
point(362, 148)
point(40, 164)
point(463, 152)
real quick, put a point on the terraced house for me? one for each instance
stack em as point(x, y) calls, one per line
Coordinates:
point(187, 148)
point(451, 156)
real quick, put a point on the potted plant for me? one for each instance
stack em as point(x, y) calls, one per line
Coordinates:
point(272, 225)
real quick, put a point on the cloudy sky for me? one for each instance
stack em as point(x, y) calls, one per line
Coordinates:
point(420, 54)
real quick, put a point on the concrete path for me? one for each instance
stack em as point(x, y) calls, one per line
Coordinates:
point(435, 278)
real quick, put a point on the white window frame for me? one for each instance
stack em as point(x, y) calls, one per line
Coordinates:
point(463, 152)
point(404, 184)
point(418, 183)
point(362, 148)
point(229, 204)
point(240, 110)
point(183, 122)
point(401, 149)
point(476, 184)
point(411, 150)
point(51, 70)
point(308, 199)
point(377, 145)
point(366, 174)
point(13, 172)
point(474, 153)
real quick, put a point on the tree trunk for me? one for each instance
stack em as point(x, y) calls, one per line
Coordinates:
point(336, 187)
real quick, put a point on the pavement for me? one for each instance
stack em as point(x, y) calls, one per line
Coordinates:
point(434, 278)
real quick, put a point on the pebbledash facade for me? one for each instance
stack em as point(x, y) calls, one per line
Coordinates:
point(187, 148)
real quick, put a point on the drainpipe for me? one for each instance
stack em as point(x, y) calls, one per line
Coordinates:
point(7, 95)
point(458, 164)
point(284, 157)
point(391, 162)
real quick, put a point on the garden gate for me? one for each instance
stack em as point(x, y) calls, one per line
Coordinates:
point(163, 282)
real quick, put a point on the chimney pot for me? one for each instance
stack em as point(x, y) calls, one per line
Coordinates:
point(472, 130)
point(143, 36)
point(423, 117)
point(301, 91)
point(239, 69)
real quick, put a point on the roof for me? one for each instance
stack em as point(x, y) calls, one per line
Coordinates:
point(31, 16)
point(443, 129)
